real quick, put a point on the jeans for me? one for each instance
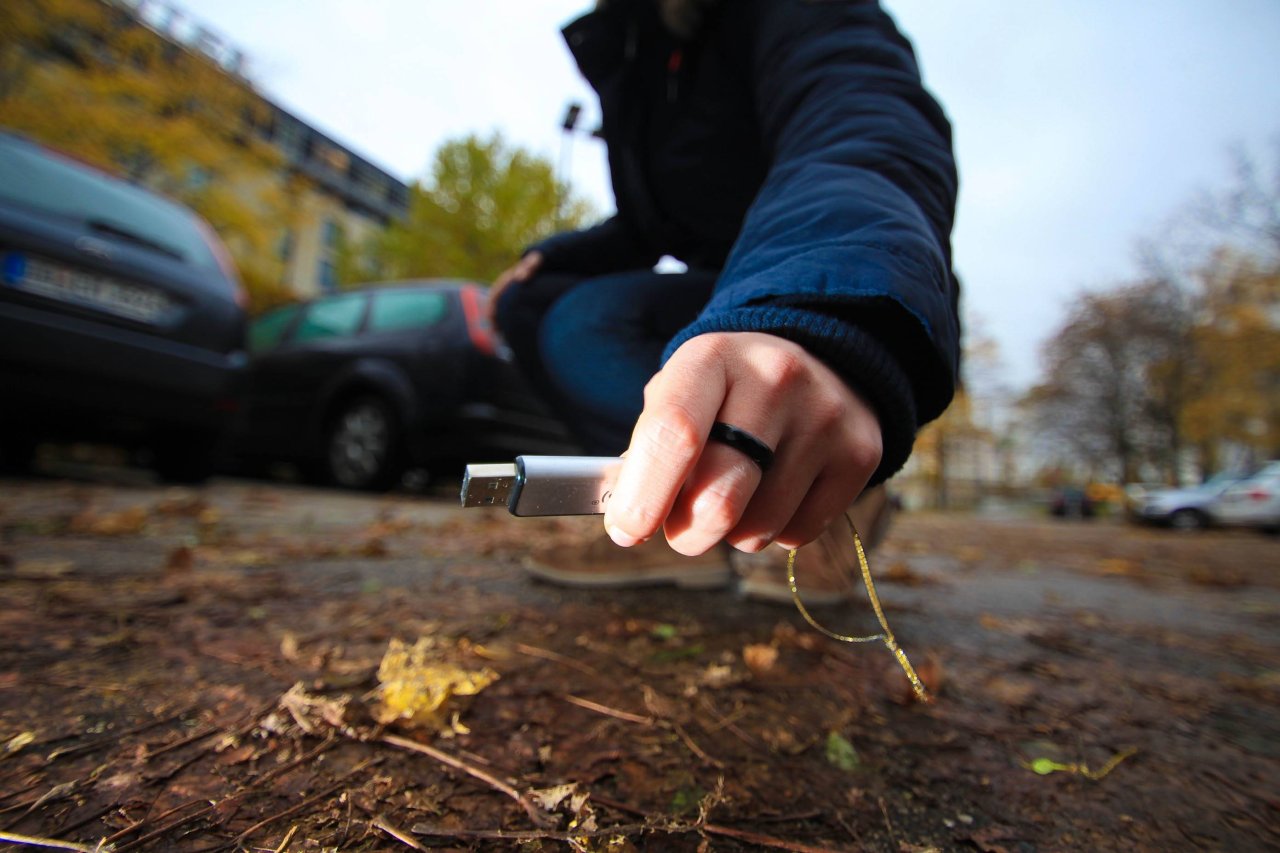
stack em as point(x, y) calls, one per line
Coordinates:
point(589, 345)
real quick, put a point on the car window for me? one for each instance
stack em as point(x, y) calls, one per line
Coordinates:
point(331, 318)
point(266, 331)
point(407, 309)
point(46, 181)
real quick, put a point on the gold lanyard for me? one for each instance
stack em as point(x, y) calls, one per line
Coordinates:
point(886, 636)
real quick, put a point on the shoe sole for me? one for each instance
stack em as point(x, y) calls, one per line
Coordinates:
point(684, 577)
point(771, 593)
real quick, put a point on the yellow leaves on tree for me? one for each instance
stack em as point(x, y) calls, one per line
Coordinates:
point(1237, 381)
point(88, 79)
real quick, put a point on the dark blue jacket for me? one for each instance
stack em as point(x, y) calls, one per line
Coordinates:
point(790, 144)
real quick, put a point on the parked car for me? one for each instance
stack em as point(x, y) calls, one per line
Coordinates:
point(121, 315)
point(1252, 502)
point(360, 386)
point(1182, 509)
point(1071, 502)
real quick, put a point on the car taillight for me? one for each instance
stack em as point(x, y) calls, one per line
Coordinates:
point(225, 263)
point(478, 328)
point(1259, 495)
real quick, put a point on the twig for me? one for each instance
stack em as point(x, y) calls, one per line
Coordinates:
point(607, 711)
point(693, 747)
point(715, 829)
point(539, 817)
point(888, 824)
point(527, 834)
point(51, 843)
point(221, 804)
point(398, 835)
point(305, 804)
point(284, 845)
point(556, 657)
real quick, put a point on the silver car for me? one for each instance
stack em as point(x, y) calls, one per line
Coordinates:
point(1183, 509)
point(1252, 502)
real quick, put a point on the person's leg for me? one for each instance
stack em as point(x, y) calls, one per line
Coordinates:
point(518, 316)
point(592, 346)
point(589, 346)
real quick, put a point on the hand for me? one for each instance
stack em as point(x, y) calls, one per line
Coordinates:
point(826, 439)
point(522, 270)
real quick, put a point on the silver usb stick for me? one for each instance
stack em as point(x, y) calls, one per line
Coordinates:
point(543, 485)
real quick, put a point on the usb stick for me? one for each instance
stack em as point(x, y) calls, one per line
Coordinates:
point(543, 485)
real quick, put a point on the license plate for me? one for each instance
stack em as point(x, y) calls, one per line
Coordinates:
point(89, 290)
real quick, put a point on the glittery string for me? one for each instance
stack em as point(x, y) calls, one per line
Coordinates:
point(886, 636)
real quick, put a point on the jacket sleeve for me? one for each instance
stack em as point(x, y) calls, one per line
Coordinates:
point(846, 248)
point(610, 246)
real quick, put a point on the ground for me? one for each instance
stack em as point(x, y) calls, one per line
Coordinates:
point(199, 669)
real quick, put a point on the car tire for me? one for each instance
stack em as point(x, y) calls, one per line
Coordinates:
point(363, 446)
point(17, 454)
point(1188, 519)
point(186, 458)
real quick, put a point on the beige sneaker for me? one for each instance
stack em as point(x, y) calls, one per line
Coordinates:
point(599, 563)
point(827, 570)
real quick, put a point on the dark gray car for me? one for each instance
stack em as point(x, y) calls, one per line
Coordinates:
point(121, 316)
point(360, 386)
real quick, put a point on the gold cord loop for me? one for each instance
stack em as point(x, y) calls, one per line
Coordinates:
point(886, 636)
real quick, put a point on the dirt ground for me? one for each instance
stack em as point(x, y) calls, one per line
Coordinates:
point(199, 669)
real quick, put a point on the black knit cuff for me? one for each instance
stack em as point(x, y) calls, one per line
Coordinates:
point(859, 358)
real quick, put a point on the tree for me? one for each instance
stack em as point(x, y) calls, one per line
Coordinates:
point(89, 79)
point(484, 202)
point(1236, 381)
point(1115, 387)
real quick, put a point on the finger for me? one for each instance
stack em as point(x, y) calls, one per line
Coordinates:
point(712, 500)
point(830, 496)
point(776, 500)
point(681, 403)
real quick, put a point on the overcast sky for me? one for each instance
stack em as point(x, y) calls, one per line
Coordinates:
point(1081, 125)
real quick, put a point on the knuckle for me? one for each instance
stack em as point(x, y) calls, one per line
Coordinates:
point(785, 368)
point(718, 509)
point(672, 434)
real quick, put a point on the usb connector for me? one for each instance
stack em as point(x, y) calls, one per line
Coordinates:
point(543, 485)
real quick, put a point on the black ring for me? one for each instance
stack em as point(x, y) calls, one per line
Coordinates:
point(743, 442)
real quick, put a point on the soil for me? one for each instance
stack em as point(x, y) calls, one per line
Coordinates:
point(199, 669)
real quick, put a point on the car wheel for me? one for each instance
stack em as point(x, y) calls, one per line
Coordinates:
point(17, 454)
point(1187, 519)
point(363, 446)
point(187, 458)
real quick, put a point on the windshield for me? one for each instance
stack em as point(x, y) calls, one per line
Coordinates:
point(48, 182)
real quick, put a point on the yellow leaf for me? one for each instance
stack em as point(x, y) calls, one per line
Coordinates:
point(416, 685)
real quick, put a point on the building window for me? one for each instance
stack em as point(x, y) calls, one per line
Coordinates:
point(328, 277)
point(329, 233)
point(285, 247)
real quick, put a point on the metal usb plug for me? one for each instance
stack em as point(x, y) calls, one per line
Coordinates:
point(543, 485)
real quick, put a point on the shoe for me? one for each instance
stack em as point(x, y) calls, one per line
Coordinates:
point(598, 563)
point(827, 570)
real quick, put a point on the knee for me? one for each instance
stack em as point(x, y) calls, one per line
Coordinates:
point(511, 312)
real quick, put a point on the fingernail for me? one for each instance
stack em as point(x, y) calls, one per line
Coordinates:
point(620, 537)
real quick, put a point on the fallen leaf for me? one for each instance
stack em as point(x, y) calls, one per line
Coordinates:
point(415, 684)
point(17, 742)
point(1014, 692)
point(840, 753)
point(760, 658)
point(180, 561)
point(1120, 567)
point(43, 569)
point(127, 522)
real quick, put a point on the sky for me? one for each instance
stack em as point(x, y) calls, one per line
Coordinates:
point(1081, 126)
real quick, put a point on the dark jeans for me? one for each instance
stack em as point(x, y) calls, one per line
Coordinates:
point(589, 345)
